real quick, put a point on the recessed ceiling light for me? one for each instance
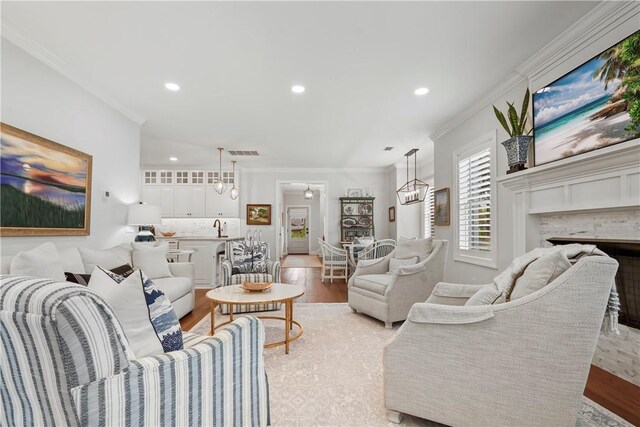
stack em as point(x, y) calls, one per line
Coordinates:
point(421, 91)
point(173, 159)
point(297, 89)
point(173, 87)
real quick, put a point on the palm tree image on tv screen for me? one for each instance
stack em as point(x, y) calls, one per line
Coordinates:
point(593, 106)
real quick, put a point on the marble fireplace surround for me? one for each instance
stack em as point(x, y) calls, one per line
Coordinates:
point(595, 195)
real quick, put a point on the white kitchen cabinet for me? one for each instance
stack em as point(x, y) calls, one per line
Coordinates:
point(202, 259)
point(159, 196)
point(189, 202)
point(221, 205)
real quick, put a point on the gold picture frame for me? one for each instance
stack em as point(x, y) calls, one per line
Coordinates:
point(45, 187)
point(258, 214)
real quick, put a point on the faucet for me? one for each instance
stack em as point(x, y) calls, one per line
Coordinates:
point(217, 221)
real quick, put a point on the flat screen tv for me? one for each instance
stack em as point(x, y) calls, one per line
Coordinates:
point(593, 106)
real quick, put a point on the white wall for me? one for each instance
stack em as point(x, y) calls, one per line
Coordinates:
point(41, 101)
point(259, 186)
point(577, 47)
point(315, 224)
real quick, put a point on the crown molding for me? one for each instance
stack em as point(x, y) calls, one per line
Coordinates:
point(47, 57)
point(313, 170)
point(484, 101)
point(601, 20)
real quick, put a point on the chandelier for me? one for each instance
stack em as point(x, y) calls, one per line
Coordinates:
point(413, 191)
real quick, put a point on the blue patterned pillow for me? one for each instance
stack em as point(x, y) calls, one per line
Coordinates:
point(163, 317)
point(242, 258)
point(161, 313)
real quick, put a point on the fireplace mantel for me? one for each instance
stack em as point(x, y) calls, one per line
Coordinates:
point(608, 178)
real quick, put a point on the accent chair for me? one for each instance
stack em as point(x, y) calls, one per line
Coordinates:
point(386, 288)
point(522, 362)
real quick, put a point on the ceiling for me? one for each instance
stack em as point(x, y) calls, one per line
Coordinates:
point(236, 62)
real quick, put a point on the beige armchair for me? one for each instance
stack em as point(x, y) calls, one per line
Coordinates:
point(523, 362)
point(388, 296)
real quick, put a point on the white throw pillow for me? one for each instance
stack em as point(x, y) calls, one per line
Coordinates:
point(151, 260)
point(105, 258)
point(540, 273)
point(488, 295)
point(396, 263)
point(42, 261)
point(417, 247)
point(127, 300)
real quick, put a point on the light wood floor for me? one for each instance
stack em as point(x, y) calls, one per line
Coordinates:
point(617, 395)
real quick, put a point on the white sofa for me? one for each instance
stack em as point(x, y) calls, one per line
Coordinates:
point(180, 288)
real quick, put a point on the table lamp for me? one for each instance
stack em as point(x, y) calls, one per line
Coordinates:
point(144, 216)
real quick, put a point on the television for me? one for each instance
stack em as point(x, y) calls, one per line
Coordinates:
point(595, 105)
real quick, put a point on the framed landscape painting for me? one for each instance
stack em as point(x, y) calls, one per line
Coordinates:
point(258, 214)
point(441, 210)
point(594, 106)
point(45, 187)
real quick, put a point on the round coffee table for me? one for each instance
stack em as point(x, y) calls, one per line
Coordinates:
point(279, 292)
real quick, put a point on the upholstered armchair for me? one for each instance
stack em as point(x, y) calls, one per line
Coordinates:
point(521, 362)
point(386, 288)
point(248, 261)
point(68, 362)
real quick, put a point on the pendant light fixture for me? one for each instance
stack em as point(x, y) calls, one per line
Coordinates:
point(234, 192)
point(218, 183)
point(413, 191)
point(308, 193)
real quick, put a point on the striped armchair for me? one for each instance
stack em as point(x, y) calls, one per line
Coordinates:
point(249, 262)
point(68, 362)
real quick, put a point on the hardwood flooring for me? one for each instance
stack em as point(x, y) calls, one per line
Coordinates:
point(617, 395)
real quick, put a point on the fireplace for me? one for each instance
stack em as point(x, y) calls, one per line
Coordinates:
point(627, 253)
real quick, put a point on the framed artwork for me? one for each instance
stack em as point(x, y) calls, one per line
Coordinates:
point(441, 207)
point(392, 214)
point(591, 107)
point(355, 192)
point(45, 187)
point(258, 214)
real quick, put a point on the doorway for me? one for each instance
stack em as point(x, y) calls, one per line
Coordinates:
point(298, 229)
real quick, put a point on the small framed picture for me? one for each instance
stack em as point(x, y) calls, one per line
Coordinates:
point(354, 192)
point(392, 214)
point(258, 214)
point(441, 210)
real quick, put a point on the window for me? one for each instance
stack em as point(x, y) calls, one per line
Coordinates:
point(428, 225)
point(475, 202)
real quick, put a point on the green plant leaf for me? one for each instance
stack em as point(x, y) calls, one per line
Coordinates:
point(502, 119)
point(513, 118)
point(524, 111)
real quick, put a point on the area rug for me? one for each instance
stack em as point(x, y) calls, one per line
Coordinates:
point(332, 375)
point(302, 261)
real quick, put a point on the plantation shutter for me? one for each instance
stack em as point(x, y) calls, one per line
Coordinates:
point(429, 218)
point(474, 201)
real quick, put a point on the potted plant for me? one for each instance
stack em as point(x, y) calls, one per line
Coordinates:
point(518, 145)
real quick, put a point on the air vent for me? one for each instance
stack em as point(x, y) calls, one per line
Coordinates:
point(388, 148)
point(242, 153)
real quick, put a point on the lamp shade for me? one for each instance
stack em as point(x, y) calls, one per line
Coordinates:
point(144, 215)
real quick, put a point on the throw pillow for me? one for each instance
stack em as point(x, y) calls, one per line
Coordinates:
point(83, 279)
point(151, 260)
point(242, 257)
point(487, 295)
point(396, 263)
point(126, 296)
point(163, 316)
point(105, 258)
point(259, 257)
point(42, 261)
point(417, 247)
point(540, 273)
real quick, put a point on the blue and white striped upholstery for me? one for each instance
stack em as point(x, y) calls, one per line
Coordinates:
point(66, 361)
point(228, 279)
